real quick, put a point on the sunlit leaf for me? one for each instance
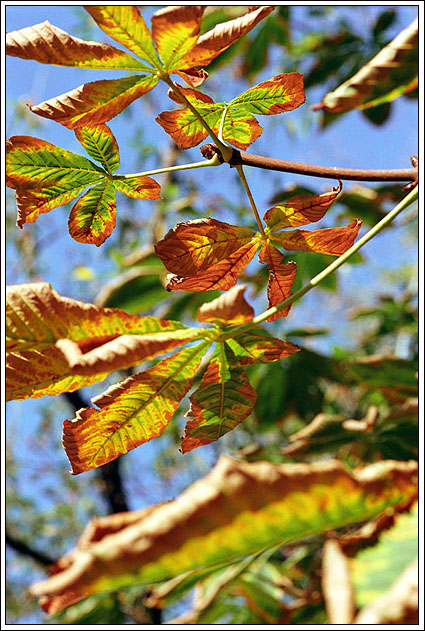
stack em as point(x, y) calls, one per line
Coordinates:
point(126, 26)
point(131, 413)
point(237, 510)
point(214, 42)
point(175, 31)
point(95, 102)
point(139, 187)
point(194, 246)
point(281, 93)
point(223, 400)
point(31, 204)
point(300, 210)
point(281, 277)
point(37, 317)
point(250, 347)
point(222, 275)
point(35, 163)
point(391, 73)
point(239, 129)
point(93, 217)
point(229, 308)
point(49, 44)
point(100, 144)
point(333, 241)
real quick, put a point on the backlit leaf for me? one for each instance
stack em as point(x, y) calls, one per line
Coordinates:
point(30, 204)
point(281, 278)
point(139, 187)
point(214, 42)
point(223, 400)
point(194, 246)
point(96, 102)
point(126, 26)
point(175, 30)
point(37, 317)
point(249, 348)
point(131, 413)
point(391, 73)
point(49, 44)
point(239, 129)
point(281, 93)
point(100, 144)
point(333, 241)
point(222, 275)
point(184, 127)
point(229, 308)
point(238, 509)
point(35, 163)
point(300, 210)
point(93, 217)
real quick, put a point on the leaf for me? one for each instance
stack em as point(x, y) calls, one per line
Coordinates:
point(95, 102)
point(126, 26)
point(37, 317)
point(175, 31)
point(300, 210)
point(333, 241)
point(223, 400)
point(281, 93)
point(131, 413)
point(239, 129)
point(194, 246)
point(31, 204)
point(229, 308)
point(281, 278)
point(139, 187)
point(49, 44)
point(222, 275)
point(253, 348)
point(391, 73)
point(214, 42)
point(100, 144)
point(238, 509)
point(34, 163)
point(93, 217)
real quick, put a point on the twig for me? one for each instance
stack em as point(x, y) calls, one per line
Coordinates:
point(23, 548)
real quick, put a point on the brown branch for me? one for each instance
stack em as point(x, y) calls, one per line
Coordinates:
point(23, 548)
point(338, 173)
point(109, 474)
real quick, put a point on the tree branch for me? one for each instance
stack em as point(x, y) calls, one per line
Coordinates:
point(109, 474)
point(23, 548)
point(338, 173)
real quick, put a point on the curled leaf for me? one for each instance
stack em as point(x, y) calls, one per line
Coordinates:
point(229, 308)
point(281, 278)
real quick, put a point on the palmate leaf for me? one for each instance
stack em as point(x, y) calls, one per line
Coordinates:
point(175, 32)
point(223, 400)
point(46, 176)
point(237, 510)
point(281, 93)
point(131, 413)
point(95, 341)
point(390, 74)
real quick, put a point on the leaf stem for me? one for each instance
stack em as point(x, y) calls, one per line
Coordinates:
point(193, 165)
point(251, 199)
point(332, 267)
point(225, 150)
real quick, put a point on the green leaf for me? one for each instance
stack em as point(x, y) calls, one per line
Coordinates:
point(93, 217)
point(100, 144)
point(223, 400)
point(281, 93)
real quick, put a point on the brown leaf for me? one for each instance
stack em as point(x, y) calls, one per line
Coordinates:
point(229, 308)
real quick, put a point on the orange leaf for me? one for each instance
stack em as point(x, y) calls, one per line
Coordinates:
point(175, 31)
point(250, 348)
point(300, 210)
point(281, 278)
point(222, 275)
point(92, 219)
point(131, 413)
point(333, 241)
point(214, 42)
point(139, 187)
point(193, 246)
point(223, 400)
point(229, 308)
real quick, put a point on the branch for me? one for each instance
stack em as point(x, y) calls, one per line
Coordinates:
point(109, 474)
point(23, 548)
point(338, 173)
